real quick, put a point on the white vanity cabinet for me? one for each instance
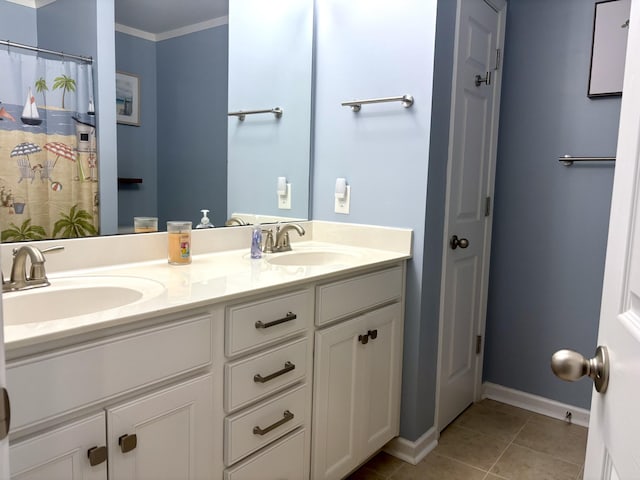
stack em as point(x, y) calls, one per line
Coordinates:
point(268, 387)
point(357, 372)
point(291, 383)
point(73, 405)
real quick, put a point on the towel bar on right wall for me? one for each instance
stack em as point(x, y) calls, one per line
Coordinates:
point(568, 160)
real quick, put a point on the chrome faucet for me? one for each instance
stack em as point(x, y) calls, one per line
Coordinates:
point(37, 275)
point(282, 242)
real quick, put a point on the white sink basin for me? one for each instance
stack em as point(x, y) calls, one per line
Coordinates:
point(312, 258)
point(74, 296)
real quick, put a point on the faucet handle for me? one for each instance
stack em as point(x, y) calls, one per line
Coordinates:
point(37, 271)
point(268, 241)
point(55, 248)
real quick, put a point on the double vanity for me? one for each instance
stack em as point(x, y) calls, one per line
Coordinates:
point(286, 367)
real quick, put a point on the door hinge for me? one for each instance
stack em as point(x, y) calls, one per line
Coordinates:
point(498, 59)
point(478, 344)
point(487, 206)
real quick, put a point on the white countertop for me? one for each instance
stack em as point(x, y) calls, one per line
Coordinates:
point(212, 277)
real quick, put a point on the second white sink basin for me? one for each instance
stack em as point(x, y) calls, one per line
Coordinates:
point(75, 296)
point(312, 258)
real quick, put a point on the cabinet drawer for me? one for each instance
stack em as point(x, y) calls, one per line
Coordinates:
point(284, 460)
point(259, 323)
point(78, 377)
point(250, 430)
point(347, 297)
point(255, 377)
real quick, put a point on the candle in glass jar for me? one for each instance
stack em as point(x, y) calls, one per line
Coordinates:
point(179, 235)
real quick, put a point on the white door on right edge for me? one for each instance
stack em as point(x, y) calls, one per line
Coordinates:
point(4, 409)
point(613, 448)
point(472, 151)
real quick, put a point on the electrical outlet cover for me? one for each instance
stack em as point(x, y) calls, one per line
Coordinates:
point(284, 201)
point(342, 206)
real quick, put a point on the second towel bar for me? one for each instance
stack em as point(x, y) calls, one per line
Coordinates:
point(356, 105)
point(241, 114)
point(568, 160)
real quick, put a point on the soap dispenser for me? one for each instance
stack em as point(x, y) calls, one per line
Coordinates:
point(204, 221)
point(256, 241)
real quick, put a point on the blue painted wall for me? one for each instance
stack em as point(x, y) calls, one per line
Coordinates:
point(18, 23)
point(68, 26)
point(192, 126)
point(382, 151)
point(550, 222)
point(138, 146)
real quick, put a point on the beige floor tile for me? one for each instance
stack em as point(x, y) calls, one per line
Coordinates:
point(436, 467)
point(520, 463)
point(470, 447)
point(385, 464)
point(364, 473)
point(556, 438)
point(503, 407)
point(491, 476)
point(493, 418)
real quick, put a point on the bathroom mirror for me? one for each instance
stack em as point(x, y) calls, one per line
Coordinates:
point(179, 151)
point(200, 68)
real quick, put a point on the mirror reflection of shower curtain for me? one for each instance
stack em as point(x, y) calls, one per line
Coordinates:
point(48, 158)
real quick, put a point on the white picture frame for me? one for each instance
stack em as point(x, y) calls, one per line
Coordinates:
point(609, 47)
point(128, 98)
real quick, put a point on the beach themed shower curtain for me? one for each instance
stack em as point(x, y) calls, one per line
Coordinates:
point(48, 161)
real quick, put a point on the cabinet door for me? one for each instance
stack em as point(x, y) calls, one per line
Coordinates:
point(61, 454)
point(382, 370)
point(173, 431)
point(338, 357)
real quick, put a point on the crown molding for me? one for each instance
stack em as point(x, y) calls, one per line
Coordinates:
point(178, 32)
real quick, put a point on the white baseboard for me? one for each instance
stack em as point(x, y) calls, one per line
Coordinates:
point(535, 403)
point(413, 452)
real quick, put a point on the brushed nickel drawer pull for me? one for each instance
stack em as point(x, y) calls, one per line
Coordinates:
point(286, 416)
point(287, 318)
point(97, 455)
point(288, 366)
point(128, 442)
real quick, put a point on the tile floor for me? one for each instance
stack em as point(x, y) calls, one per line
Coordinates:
point(493, 441)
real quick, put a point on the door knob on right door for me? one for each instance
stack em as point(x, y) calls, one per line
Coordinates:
point(571, 366)
point(456, 242)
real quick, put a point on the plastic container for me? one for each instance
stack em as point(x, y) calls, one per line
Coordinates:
point(256, 242)
point(145, 224)
point(179, 235)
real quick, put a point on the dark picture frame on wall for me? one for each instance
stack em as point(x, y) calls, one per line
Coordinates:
point(128, 99)
point(609, 47)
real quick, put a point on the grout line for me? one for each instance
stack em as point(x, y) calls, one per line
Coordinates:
point(475, 467)
point(546, 453)
point(508, 445)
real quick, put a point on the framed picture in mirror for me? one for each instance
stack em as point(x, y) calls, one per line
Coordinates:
point(609, 47)
point(128, 98)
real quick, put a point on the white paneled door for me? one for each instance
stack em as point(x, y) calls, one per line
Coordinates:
point(612, 450)
point(470, 178)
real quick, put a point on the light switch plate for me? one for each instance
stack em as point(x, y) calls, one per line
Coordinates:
point(284, 201)
point(342, 205)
